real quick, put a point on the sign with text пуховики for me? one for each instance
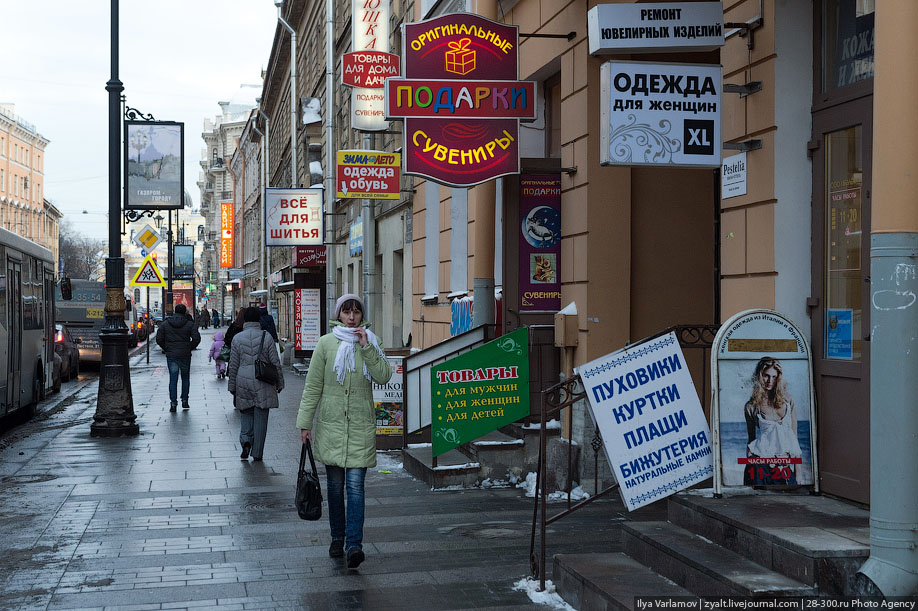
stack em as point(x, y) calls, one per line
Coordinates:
point(653, 428)
point(368, 175)
point(465, 54)
point(480, 391)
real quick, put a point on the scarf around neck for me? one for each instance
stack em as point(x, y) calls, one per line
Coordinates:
point(344, 358)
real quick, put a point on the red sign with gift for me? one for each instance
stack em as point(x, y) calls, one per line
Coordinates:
point(368, 69)
point(460, 99)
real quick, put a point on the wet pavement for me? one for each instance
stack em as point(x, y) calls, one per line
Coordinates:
point(174, 519)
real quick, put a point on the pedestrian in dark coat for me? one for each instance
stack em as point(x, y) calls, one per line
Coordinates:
point(215, 317)
point(267, 321)
point(178, 336)
point(234, 327)
point(205, 318)
point(252, 397)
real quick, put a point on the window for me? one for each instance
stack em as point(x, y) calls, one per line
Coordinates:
point(2, 180)
point(848, 42)
point(459, 241)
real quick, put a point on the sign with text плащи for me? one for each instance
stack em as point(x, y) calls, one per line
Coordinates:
point(463, 129)
point(369, 174)
point(669, 27)
point(660, 114)
point(480, 391)
point(293, 217)
point(653, 427)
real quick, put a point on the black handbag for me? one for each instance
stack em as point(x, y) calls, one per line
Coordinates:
point(308, 492)
point(265, 370)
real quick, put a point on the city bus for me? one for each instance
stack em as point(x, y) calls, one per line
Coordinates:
point(84, 315)
point(26, 322)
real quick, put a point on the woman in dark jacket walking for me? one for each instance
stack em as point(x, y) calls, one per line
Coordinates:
point(234, 327)
point(252, 397)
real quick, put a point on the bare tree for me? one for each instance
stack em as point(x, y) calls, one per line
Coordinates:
point(81, 256)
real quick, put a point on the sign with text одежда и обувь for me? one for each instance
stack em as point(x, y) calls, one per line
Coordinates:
point(652, 425)
point(460, 99)
point(480, 391)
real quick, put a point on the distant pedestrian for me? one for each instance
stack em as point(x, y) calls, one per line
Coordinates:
point(252, 397)
point(234, 328)
point(339, 385)
point(215, 318)
point(205, 318)
point(267, 321)
point(214, 355)
point(178, 336)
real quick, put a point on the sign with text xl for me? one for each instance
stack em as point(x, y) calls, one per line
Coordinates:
point(293, 217)
point(480, 391)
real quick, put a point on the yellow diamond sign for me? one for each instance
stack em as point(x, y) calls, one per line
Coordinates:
point(148, 238)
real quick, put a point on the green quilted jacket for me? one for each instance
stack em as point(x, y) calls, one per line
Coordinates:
point(345, 431)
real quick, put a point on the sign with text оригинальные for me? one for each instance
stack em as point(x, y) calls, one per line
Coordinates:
point(653, 428)
point(480, 391)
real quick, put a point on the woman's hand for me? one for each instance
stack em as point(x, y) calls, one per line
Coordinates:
point(361, 334)
point(304, 435)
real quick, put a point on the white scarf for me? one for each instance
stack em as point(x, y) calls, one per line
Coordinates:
point(344, 359)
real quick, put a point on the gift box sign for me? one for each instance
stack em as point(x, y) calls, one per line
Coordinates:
point(460, 59)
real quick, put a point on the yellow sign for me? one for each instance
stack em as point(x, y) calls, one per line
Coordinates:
point(148, 274)
point(148, 238)
point(95, 312)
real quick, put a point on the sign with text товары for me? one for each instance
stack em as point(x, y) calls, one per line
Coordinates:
point(294, 217)
point(366, 68)
point(480, 391)
point(660, 114)
point(460, 99)
point(369, 175)
point(669, 27)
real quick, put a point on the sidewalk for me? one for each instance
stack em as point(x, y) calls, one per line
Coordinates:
point(174, 519)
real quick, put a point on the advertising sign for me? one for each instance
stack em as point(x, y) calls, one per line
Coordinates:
point(368, 69)
point(183, 260)
point(480, 391)
point(293, 217)
point(388, 400)
point(840, 333)
point(660, 114)
point(653, 428)
point(763, 414)
point(460, 99)
point(185, 296)
point(307, 314)
point(226, 234)
point(235, 273)
point(369, 174)
point(310, 256)
point(154, 174)
point(355, 238)
point(655, 27)
point(733, 176)
point(369, 37)
point(540, 242)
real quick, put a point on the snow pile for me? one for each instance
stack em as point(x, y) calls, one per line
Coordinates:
point(577, 494)
point(388, 461)
point(549, 596)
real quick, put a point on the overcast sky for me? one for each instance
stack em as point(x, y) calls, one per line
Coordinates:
point(178, 58)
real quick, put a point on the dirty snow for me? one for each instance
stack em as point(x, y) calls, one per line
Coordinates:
point(548, 597)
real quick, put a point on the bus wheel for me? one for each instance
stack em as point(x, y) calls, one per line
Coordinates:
point(38, 386)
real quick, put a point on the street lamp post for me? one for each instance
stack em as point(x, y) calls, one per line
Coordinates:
point(114, 415)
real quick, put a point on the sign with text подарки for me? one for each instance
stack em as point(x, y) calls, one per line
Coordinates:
point(368, 175)
point(480, 391)
point(460, 99)
point(653, 428)
point(293, 217)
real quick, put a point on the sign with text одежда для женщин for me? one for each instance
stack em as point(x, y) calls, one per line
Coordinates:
point(460, 99)
point(294, 217)
point(653, 427)
point(670, 27)
point(480, 391)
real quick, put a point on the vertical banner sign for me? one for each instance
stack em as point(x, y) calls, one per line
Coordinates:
point(307, 315)
point(652, 424)
point(540, 242)
point(370, 63)
point(226, 234)
point(763, 413)
point(660, 114)
point(460, 99)
point(480, 391)
point(293, 217)
point(388, 401)
point(183, 262)
point(154, 172)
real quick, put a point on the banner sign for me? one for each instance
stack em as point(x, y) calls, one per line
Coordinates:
point(763, 414)
point(310, 256)
point(653, 427)
point(293, 217)
point(154, 172)
point(355, 237)
point(540, 242)
point(660, 114)
point(480, 391)
point(183, 260)
point(460, 99)
point(307, 315)
point(369, 174)
point(368, 69)
point(226, 234)
point(670, 27)
point(369, 36)
point(388, 399)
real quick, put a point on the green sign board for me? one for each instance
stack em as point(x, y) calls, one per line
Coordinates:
point(480, 391)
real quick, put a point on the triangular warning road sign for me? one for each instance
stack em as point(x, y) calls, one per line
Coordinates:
point(148, 274)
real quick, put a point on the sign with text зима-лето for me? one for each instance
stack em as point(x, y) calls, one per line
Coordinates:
point(480, 391)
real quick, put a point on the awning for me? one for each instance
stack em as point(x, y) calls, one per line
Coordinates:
point(284, 286)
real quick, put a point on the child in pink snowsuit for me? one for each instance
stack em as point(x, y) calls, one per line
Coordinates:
point(215, 354)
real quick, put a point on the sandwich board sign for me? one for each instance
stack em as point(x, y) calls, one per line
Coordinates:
point(148, 274)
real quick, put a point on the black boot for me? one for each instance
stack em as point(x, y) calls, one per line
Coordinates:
point(245, 450)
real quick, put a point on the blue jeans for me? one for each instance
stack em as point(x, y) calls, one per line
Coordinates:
point(350, 530)
point(177, 366)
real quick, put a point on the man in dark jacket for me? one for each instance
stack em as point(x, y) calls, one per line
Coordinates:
point(267, 321)
point(178, 336)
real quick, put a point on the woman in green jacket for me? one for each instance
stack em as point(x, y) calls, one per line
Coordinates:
point(339, 384)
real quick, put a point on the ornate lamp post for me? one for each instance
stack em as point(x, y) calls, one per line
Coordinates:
point(114, 415)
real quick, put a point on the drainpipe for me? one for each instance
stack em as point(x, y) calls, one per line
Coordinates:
point(330, 267)
point(280, 3)
point(264, 178)
point(369, 246)
point(893, 565)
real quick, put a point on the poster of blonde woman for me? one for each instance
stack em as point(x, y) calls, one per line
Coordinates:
point(762, 413)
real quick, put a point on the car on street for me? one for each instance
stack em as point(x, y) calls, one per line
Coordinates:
point(66, 346)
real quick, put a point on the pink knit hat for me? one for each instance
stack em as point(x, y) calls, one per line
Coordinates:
point(347, 297)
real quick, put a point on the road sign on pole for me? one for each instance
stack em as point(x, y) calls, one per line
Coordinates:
point(148, 274)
